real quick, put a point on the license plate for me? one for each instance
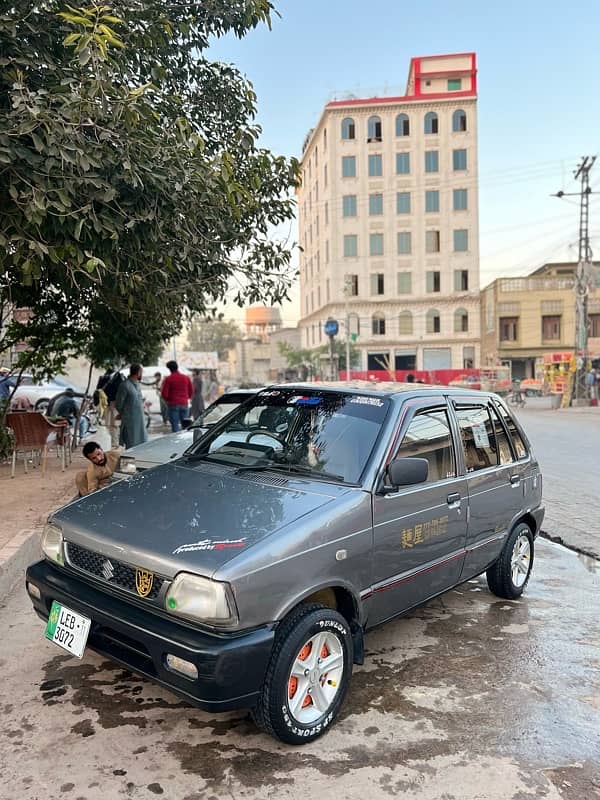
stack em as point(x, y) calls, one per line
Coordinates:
point(68, 629)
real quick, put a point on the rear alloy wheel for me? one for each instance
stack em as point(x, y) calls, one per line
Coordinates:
point(508, 577)
point(308, 676)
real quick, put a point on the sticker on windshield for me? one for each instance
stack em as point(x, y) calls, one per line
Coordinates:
point(480, 435)
point(210, 544)
point(303, 400)
point(363, 400)
point(271, 393)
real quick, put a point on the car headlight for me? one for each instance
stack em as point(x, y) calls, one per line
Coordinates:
point(201, 599)
point(52, 543)
point(127, 465)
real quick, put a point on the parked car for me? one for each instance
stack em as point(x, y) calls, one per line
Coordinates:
point(173, 445)
point(39, 393)
point(246, 573)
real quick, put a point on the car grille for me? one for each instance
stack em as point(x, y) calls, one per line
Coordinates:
point(109, 570)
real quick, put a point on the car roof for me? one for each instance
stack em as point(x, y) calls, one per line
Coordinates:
point(382, 388)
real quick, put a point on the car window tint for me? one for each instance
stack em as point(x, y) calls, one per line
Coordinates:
point(429, 436)
point(516, 437)
point(502, 442)
point(477, 434)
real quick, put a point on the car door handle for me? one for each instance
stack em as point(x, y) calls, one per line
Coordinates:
point(453, 500)
point(515, 480)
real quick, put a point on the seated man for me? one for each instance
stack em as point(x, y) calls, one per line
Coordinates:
point(98, 474)
point(64, 405)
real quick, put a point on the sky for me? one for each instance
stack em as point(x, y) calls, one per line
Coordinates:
point(538, 101)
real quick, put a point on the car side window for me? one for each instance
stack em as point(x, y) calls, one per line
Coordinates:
point(502, 442)
point(478, 439)
point(517, 439)
point(429, 436)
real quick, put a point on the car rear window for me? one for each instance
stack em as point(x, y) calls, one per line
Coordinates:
point(478, 438)
point(517, 439)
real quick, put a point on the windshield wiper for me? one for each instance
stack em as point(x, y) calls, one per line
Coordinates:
point(297, 468)
point(195, 456)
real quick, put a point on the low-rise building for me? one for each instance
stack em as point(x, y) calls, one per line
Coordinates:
point(524, 318)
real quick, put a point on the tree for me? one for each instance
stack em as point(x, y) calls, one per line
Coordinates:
point(133, 190)
point(210, 335)
point(313, 361)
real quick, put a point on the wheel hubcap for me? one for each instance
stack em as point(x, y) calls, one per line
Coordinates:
point(315, 677)
point(520, 561)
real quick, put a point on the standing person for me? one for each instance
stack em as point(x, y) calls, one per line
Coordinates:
point(197, 399)
point(212, 389)
point(164, 408)
point(130, 405)
point(177, 390)
point(109, 383)
point(590, 383)
point(6, 384)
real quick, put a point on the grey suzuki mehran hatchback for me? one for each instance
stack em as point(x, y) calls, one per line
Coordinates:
point(245, 574)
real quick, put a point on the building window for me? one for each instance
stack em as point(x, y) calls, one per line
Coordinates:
point(468, 357)
point(509, 329)
point(459, 160)
point(461, 280)
point(376, 244)
point(461, 320)
point(432, 321)
point(431, 122)
point(326, 213)
point(432, 281)
point(378, 324)
point(374, 129)
point(404, 243)
point(349, 205)
point(352, 283)
point(405, 283)
point(350, 246)
point(594, 326)
point(402, 163)
point(432, 161)
point(375, 166)
point(454, 84)
point(402, 125)
point(432, 201)
point(377, 283)
point(325, 175)
point(403, 202)
point(432, 241)
point(318, 297)
point(325, 137)
point(327, 294)
point(459, 199)
point(405, 323)
point(327, 251)
point(461, 241)
point(551, 328)
point(348, 167)
point(375, 205)
point(348, 128)
point(459, 121)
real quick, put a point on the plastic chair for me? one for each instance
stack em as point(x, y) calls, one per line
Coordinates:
point(34, 433)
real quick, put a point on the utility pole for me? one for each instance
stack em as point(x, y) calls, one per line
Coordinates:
point(584, 266)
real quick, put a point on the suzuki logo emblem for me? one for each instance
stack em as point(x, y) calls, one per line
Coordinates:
point(108, 570)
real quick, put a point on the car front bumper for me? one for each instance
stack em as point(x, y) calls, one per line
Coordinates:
point(231, 667)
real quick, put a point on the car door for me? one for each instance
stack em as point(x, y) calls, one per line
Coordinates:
point(419, 531)
point(495, 481)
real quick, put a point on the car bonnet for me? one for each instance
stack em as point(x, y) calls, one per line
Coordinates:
point(172, 518)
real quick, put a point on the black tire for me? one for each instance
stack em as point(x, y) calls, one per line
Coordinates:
point(500, 574)
point(273, 712)
point(42, 404)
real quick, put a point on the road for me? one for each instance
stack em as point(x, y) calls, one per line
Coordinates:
point(469, 698)
point(567, 444)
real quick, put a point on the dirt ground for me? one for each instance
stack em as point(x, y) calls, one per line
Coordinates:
point(26, 500)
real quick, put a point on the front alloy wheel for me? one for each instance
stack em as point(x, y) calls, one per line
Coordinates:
point(308, 675)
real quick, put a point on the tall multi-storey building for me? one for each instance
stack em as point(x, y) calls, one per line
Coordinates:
point(388, 212)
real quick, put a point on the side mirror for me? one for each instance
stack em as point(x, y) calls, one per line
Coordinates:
point(408, 471)
point(185, 423)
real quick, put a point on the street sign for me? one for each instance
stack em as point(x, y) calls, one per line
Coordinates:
point(331, 327)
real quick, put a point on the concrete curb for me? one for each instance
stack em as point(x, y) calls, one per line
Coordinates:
point(15, 557)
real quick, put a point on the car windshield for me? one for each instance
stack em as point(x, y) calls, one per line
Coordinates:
point(215, 412)
point(322, 433)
